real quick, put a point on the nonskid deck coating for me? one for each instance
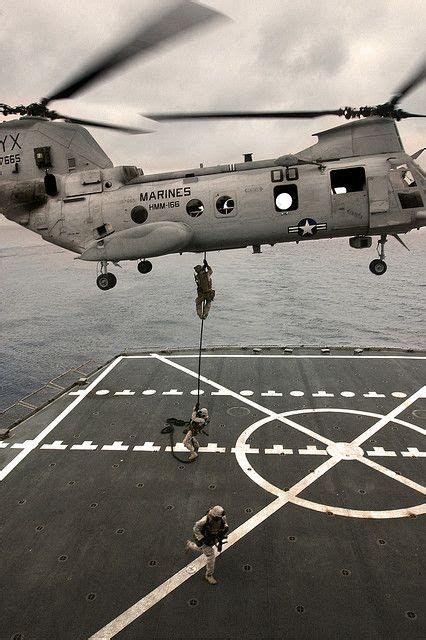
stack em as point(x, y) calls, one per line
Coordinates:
point(96, 510)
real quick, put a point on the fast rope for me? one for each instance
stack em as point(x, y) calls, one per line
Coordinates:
point(199, 350)
point(171, 423)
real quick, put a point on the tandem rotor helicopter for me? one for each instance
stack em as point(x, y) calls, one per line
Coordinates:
point(356, 181)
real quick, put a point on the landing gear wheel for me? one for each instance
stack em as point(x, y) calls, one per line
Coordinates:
point(145, 266)
point(112, 280)
point(378, 267)
point(103, 282)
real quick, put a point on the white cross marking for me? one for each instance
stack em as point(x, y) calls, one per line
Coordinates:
point(57, 444)
point(86, 446)
point(28, 444)
point(322, 394)
point(413, 452)
point(380, 452)
point(373, 394)
point(178, 447)
point(271, 393)
point(279, 449)
point(125, 392)
point(172, 392)
point(212, 448)
point(312, 450)
point(115, 446)
point(147, 446)
point(247, 449)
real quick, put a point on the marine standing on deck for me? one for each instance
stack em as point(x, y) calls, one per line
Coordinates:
point(211, 530)
point(199, 419)
point(205, 292)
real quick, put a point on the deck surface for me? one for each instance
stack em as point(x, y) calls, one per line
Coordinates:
point(327, 540)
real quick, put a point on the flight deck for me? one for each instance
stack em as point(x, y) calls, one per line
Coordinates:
point(317, 456)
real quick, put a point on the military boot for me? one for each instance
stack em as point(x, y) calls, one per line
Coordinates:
point(193, 455)
point(211, 579)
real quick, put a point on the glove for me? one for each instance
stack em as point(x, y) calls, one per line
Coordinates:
point(219, 546)
point(199, 543)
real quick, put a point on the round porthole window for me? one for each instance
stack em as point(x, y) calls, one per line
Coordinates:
point(139, 214)
point(225, 205)
point(283, 201)
point(194, 208)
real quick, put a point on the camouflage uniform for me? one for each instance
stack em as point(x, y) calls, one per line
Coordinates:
point(205, 293)
point(195, 426)
point(208, 532)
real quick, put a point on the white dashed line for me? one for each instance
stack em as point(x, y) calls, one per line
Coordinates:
point(147, 446)
point(413, 452)
point(87, 445)
point(379, 451)
point(115, 446)
point(311, 450)
point(55, 445)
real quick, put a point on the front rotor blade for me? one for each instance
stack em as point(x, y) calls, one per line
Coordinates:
point(404, 114)
point(104, 125)
point(411, 83)
point(179, 19)
point(241, 114)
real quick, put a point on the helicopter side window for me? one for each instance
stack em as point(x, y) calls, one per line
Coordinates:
point(347, 180)
point(411, 200)
point(286, 198)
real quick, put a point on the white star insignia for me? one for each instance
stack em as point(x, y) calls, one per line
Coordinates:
point(307, 228)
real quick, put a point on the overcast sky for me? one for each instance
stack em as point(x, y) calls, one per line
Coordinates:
point(272, 54)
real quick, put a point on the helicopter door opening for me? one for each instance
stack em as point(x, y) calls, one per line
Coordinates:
point(349, 201)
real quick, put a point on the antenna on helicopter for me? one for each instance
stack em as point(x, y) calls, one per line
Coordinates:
point(172, 23)
point(385, 110)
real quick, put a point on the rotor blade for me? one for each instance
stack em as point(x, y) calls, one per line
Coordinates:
point(241, 114)
point(411, 83)
point(404, 114)
point(104, 125)
point(172, 23)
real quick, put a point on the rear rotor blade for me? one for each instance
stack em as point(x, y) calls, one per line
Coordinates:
point(177, 20)
point(418, 77)
point(104, 125)
point(241, 114)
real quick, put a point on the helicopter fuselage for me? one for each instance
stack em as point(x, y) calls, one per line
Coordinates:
point(106, 213)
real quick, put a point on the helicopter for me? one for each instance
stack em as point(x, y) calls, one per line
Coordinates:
point(356, 181)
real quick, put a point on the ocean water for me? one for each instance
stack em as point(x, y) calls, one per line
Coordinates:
point(53, 316)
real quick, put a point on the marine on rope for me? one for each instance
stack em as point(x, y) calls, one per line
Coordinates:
point(205, 291)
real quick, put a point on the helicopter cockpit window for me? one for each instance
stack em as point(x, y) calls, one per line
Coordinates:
point(286, 198)
point(347, 180)
point(194, 208)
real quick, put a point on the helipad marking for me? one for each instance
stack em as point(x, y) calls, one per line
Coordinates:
point(421, 393)
point(398, 394)
point(3, 445)
point(147, 446)
point(271, 393)
point(163, 590)
point(279, 449)
point(351, 448)
point(102, 392)
point(297, 394)
point(379, 451)
point(172, 392)
point(149, 392)
point(288, 356)
point(413, 452)
point(179, 447)
point(312, 450)
point(322, 394)
point(194, 392)
point(57, 444)
point(14, 463)
point(212, 448)
point(28, 444)
point(87, 445)
point(373, 394)
point(347, 394)
point(269, 412)
point(115, 446)
point(125, 392)
point(395, 476)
